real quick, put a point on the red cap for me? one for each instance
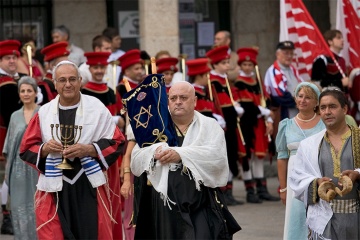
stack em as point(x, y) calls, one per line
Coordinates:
point(97, 58)
point(198, 66)
point(166, 64)
point(218, 54)
point(130, 58)
point(247, 54)
point(9, 47)
point(55, 50)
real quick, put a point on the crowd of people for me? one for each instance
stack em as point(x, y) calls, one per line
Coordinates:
point(103, 145)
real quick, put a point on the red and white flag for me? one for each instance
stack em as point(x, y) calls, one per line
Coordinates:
point(348, 22)
point(297, 25)
point(356, 5)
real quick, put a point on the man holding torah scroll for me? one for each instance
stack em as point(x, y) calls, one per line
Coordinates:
point(179, 165)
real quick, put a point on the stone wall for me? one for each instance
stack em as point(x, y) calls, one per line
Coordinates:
point(84, 18)
point(256, 23)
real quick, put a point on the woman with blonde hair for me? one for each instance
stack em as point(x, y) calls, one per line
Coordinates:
point(291, 131)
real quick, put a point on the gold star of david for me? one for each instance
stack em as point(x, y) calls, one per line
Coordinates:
point(137, 117)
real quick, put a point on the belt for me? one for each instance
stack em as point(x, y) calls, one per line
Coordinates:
point(345, 206)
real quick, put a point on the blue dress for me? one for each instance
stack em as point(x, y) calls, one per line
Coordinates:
point(287, 142)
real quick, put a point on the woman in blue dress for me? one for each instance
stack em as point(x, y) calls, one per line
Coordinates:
point(20, 177)
point(291, 131)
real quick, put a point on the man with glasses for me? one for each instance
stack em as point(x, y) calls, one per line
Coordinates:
point(281, 80)
point(81, 202)
point(322, 163)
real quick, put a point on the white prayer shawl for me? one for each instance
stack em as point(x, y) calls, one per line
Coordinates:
point(203, 152)
point(96, 122)
point(306, 169)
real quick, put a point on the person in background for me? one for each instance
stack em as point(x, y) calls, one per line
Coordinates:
point(223, 38)
point(114, 36)
point(280, 81)
point(9, 103)
point(198, 70)
point(62, 33)
point(324, 69)
point(101, 43)
point(256, 125)
point(167, 67)
point(291, 131)
point(38, 71)
point(97, 62)
point(231, 110)
point(20, 177)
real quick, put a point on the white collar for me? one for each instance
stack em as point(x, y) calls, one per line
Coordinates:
point(7, 74)
point(213, 72)
point(242, 73)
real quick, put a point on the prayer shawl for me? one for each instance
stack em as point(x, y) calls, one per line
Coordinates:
point(94, 127)
point(276, 81)
point(306, 169)
point(203, 152)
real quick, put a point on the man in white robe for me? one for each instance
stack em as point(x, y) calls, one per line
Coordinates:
point(326, 156)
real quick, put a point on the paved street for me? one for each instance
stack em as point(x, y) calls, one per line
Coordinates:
point(259, 221)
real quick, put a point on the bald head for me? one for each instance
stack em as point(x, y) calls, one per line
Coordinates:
point(182, 102)
point(185, 86)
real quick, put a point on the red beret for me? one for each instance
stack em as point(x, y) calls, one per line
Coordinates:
point(9, 47)
point(55, 50)
point(247, 54)
point(130, 58)
point(166, 64)
point(97, 58)
point(218, 54)
point(198, 66)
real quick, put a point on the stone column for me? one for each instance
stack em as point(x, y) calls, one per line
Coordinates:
point(159, 26)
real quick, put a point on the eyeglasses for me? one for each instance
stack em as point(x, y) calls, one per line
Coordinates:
point(175, 98)
point(71, 80)
point(331, 88)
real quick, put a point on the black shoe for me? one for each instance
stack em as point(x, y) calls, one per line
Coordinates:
point(268, 197)
point(253, 198)
point(6, 227)
point(230, 200)
point(263, 191)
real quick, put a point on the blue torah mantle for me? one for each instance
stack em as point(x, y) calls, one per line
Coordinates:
point(147, 108)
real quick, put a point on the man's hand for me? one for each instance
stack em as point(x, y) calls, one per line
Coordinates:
point(167, 155)
point(79, 150)
point(323, 179)
point(51, 146)
point(353, 175)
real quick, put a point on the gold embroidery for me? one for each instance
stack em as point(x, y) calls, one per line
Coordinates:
point(137, 117)
point(356, 146)
point(337, 155)
point(314, 190)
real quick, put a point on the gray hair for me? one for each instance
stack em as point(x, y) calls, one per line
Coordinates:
point(62, 30)
point(27, 80)
point(65, 62)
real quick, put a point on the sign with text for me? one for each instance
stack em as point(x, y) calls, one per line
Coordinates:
point(128, 24)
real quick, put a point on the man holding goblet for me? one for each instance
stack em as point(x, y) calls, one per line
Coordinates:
point(74, 203)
